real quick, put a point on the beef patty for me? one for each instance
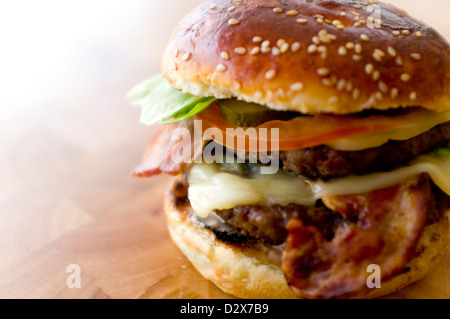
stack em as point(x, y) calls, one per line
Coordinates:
point(324, 162)
point(268, 223)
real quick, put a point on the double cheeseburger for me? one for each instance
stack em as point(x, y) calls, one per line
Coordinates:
point(353, 99)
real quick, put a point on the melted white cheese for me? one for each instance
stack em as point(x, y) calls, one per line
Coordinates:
point(361, 142)
point(210, 188)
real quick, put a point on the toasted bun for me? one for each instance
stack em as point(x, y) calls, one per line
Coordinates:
point(254, 271)
point(310, 56)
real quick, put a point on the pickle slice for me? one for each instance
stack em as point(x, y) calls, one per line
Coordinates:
point(245, 114)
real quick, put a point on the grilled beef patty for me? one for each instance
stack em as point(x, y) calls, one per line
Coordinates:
point(268, 223)
point(324, 162)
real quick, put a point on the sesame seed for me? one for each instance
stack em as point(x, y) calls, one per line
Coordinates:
point(399, 61)
point(175, 66)
point(396, 33)
point(357, 6)
point(280, 43)
point(383, 87)
point(418, 34)
point(342, 14)
point(379, 52)
point(340, 27)
point(296, 87)
point(405, 77)
point(240, 50)
point(356, 94)
point(355, 13)
point(378, 55)
point(379, 96)
point(280, 92)
point(358, 48)
point(319, 16)
point(316, 40)
point(416, 56)
point(231, 9)
point(349, 86)
point(302, 21)
point(322, 33)
point(255, 51)
point(413, 96)
point(342, 50)
point(394, 93)
point(265, 44)
point(336, 22)
point(221, 68)
point(327, 82)
point(265, 49)
point(186, 56)
point(365, 37)
point(270, 74)
point(376, 75)
point(292, 13)
point(357, 57)
point(275, 51)
point(277, 10)
point(357, 24)
point(225, 55)
point(369, 68)
point(350, 45)
point(177, 52)
point(257, 39)
point(258, 95)
point(323, 51)
point(233, 22)
point(333, 99)
point(341, 85)
point(406, 32)
point(312, 49)
point(295, 46)
point(323, 71)
point(391, 51)
point(284, 47)
point(237, 85)
point(213, 6)
point(319, 20)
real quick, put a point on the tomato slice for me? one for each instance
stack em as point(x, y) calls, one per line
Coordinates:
point(305, 131)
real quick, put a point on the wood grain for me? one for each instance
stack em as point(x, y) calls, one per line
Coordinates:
point(66, 196)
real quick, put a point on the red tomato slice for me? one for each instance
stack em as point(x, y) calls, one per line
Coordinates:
point(306, 131)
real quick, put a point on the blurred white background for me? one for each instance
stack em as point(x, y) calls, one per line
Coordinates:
point(52, 50)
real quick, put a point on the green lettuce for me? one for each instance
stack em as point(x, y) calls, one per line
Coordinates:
point(444, 151)
point(161, 103)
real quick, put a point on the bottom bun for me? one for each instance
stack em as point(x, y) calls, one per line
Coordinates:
point(253, 271)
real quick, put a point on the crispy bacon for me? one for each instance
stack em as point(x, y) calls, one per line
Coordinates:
point(381, 227)
point(165, 154)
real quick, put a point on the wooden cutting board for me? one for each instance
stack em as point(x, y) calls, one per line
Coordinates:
point(65, 203)
point(66, 196)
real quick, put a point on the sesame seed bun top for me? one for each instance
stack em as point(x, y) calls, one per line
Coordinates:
point(342, 56)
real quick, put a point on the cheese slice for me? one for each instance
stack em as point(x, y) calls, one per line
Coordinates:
point(211, 188)
point(362, 142)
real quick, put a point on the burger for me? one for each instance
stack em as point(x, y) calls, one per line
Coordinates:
point(309, 144)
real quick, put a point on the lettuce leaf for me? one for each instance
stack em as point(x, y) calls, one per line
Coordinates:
point(161, 103)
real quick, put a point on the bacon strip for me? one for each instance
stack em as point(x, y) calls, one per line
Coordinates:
point(170, 152)
point(381, 227)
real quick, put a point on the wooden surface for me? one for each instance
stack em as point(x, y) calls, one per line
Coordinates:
point(69, 140)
